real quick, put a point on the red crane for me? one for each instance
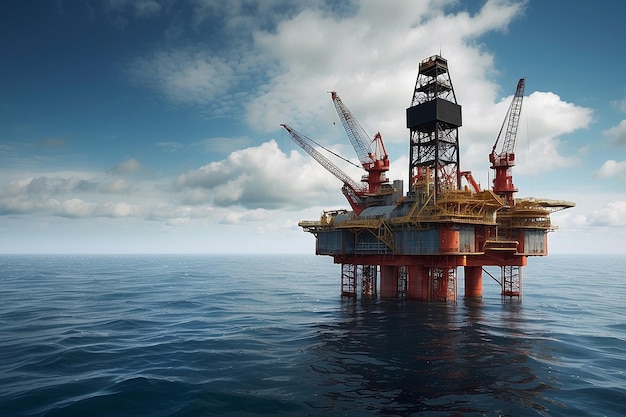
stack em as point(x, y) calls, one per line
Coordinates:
point(354, 192)
point(375, 162)
point(502, 162)
point(470, 179)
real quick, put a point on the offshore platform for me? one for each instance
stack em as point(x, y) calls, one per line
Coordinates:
point(411, 245)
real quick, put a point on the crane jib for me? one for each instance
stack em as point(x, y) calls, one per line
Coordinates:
point(511, 121)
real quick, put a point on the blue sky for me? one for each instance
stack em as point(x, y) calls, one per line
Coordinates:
point(154, 125)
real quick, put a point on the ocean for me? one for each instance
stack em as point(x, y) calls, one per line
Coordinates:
point(251, 335)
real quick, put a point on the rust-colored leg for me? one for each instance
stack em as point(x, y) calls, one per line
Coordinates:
point(417, 288)
point(473, 281)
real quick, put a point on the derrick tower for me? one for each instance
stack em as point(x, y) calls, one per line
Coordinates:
point(433, 119)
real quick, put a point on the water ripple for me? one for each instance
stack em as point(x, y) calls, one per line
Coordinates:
point(259, 335)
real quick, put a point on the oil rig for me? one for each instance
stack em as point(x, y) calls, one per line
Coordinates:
point(392, 244)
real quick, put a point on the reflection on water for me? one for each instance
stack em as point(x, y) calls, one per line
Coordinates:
point(402, 358)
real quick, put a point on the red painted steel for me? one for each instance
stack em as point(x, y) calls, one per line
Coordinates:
point(473, 281)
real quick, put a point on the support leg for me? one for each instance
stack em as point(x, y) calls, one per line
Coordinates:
point(511, 280)
point(348, 280)
point(388, 281)
point(417, 286)
point(369, 275)
point(473, 281)
point(443, 284)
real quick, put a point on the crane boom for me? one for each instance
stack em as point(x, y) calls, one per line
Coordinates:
point(375, 162)
point(502, 162)
point(351, 189)
point(512, 116)
point(357, 135)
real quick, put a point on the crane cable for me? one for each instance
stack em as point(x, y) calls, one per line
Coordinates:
point(337, 155)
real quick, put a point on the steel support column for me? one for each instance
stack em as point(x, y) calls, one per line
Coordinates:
point(473, 281)
point(368, 275)
point(511, 279)
point(348, 280)
point(388, 281)
point(417, 288)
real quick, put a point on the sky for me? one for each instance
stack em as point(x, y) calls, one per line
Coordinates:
point(153, 126)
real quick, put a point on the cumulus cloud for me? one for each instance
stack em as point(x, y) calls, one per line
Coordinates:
point(59, 196)
point(166, 211)
point(280, 57)
point(299, 55)
point(244, 187)
point(617, 134)
point(260, 177)
point(549, 120)
point(44, 186)
point(613, 214)
point(75, 208)
point(541, 143)
point(71, 207)
point(254, 215)
point(116, 186)
point(612, 168)
point(372, 56)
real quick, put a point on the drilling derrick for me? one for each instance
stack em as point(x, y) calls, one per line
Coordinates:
point(433, 119)
point(396, 245)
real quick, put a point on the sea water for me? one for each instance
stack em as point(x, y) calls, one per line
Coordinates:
point(250, 335)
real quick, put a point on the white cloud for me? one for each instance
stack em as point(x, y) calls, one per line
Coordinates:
point(617, 134)
point(120, 209)
point(612, 168)
point(247, 186)
point(162, 211)
point(368, 51)
point(127, 167)
point(371, 57)
point(116, 186)
point(178, 221)
point(548, 120)
point(57, 195)
point(73, 207)
point(260, 177)
point(613, 214)
point(255, 215)
point(540, 143)
point(76, 207)
point(192, 75)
